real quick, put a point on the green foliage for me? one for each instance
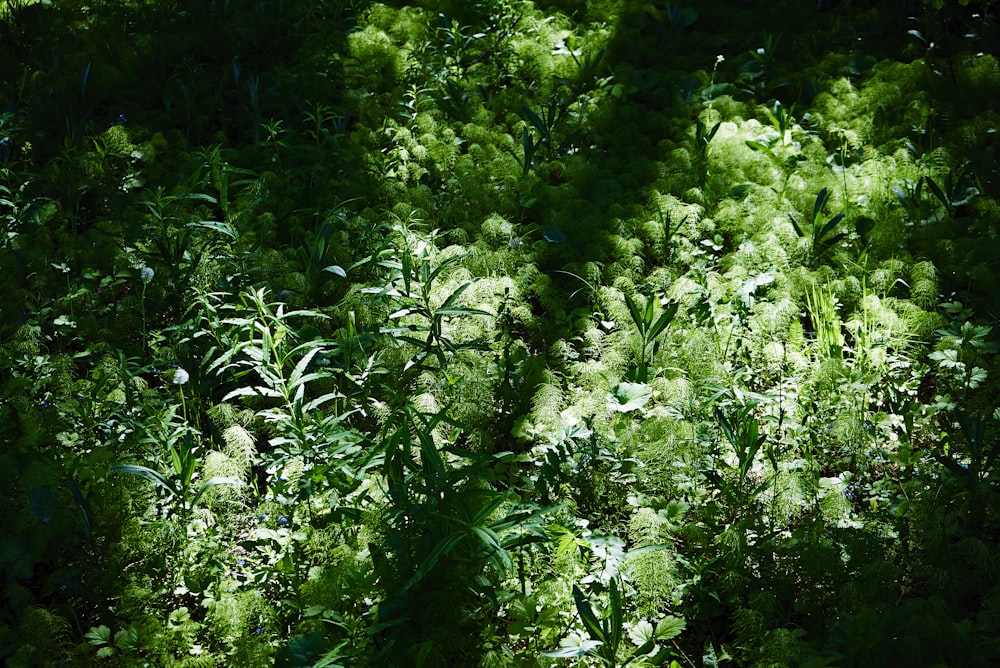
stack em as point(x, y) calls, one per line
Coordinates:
point(607, 631)
point(367, 303)
point(177, 484)
point(819, 233)
point(650, 327)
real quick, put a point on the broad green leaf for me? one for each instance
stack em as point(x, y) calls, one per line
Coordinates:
point(302, 651)
point(99, 635)
point(717, 90)
point(641, 632)
point(669, 628)
point(627, 397)
point(127, 640)
point(740, 190)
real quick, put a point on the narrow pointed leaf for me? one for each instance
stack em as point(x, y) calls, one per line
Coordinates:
point(641, 651)
point(441, 550)
point(617, 620)
point(455, 295)
point(830, 225)
point(583, 649)
point(149, 474)
point(633, 309)
point(663, 321)
point(296, 378)
point(936, 191)
point(798, 230)
point(336, 269)
point(587, 616)
point(535, 120)
point(821, 200)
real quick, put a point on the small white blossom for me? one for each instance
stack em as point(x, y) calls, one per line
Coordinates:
point(146, 274)
point(181, 376)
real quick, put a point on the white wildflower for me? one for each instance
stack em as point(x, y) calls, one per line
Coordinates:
point(181, 376)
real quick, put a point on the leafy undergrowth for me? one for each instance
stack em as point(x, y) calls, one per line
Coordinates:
point(499, 333)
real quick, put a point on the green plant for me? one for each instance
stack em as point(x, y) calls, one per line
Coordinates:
point(256, 345)
point(960, 356)
point(820, 233)
point(650, 323)
point(126, 641)
point(821, 304)
point(440, 500)
point(973, 445)
point(545, 122)
point(782, 120)
point(741, 431)
point(607, 632)
point(411, 290)
point(178, 483)
point(758, 69)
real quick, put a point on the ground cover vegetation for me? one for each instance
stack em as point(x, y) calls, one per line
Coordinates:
point(499, 333)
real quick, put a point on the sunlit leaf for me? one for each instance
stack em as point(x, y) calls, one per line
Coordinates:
point(669, 628)
point(627, 397)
